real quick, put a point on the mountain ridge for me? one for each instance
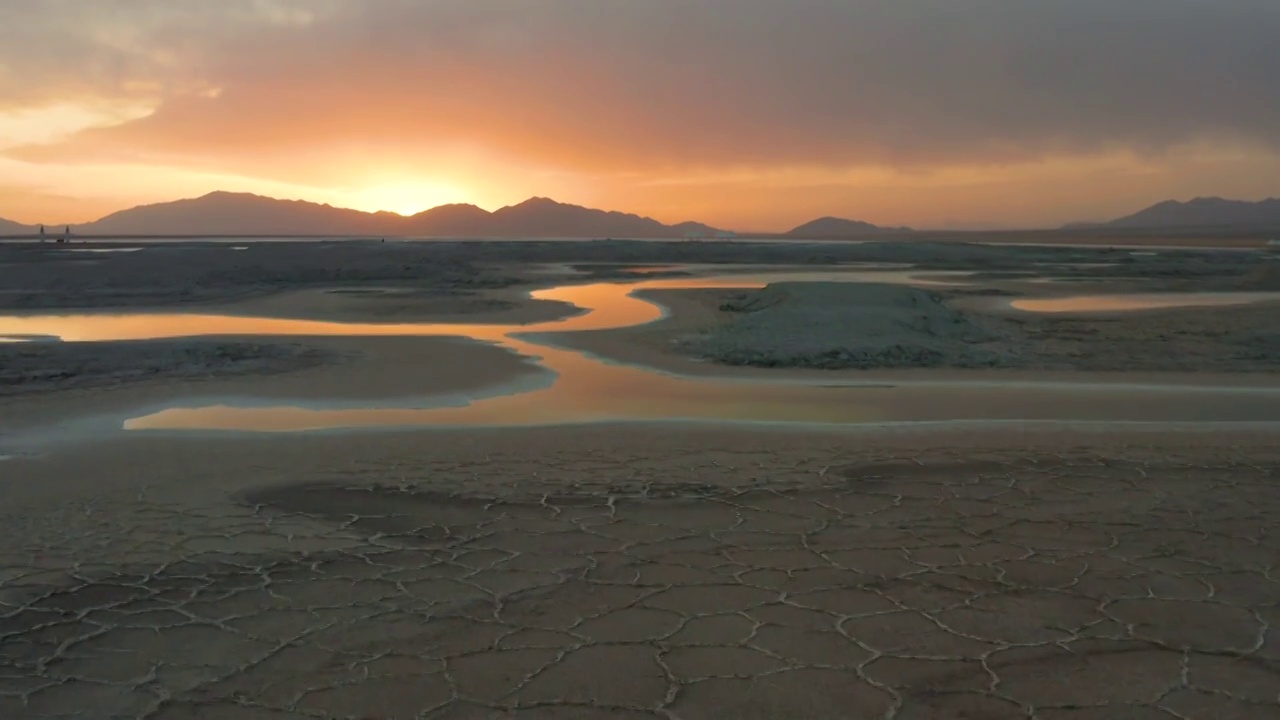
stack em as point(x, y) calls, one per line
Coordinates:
point(837, 227)
point(247, 214)
point(1209, 211)
point(10, 227)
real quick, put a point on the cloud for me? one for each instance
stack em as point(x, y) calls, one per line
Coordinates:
point(117, 50)
point(313, 92)
point(52, 193)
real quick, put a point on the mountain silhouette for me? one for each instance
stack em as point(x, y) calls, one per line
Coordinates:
point(228, 213)
point(1200, 212)
point(458, 220)
point(234, 214)
point(225, 213)
point(544, 217)
point(9, 227)
point(834, 227)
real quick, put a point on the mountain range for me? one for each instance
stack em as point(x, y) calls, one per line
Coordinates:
point(1199, 212)
point(231, 214)
point(224, 213)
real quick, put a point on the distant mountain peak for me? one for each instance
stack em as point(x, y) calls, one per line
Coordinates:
point(1210, 211)
point(225, 195)
point(9, 227)
point(537, 202)
point(836, 227)
point(454, 208)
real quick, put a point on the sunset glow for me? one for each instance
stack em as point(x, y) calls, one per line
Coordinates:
point(406, 198)
point(746, 114)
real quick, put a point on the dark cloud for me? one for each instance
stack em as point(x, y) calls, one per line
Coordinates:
point(630, 85)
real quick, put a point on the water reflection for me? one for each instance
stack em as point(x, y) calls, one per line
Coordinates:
point(652, 269)
point(618, 393)
point(611, 305)
point(1139, 301)
point(588, 389)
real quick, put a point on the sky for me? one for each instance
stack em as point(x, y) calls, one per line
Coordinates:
point(748, 114)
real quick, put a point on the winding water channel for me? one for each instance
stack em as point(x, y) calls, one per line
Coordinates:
point(575, 387)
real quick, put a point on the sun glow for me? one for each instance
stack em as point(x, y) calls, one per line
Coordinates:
point(405, 198)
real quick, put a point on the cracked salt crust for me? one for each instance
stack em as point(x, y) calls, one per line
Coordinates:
point(1014, 585)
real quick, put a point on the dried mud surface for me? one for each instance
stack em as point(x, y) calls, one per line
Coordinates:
point(1080, 585)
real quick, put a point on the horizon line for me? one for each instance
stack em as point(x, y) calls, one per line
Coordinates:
point(531, 198)
point(887, 228)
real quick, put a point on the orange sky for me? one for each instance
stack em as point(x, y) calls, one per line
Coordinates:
point(750, 114)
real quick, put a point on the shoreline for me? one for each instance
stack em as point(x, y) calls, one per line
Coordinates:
point(691, 312)
point(646, 347)
point(354, 368)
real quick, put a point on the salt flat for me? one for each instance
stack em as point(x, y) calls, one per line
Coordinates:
point(636, 569)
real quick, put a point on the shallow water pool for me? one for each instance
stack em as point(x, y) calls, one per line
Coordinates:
point(589, 389)
point(1139, 301)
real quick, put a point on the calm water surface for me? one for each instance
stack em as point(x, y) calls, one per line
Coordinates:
point(1139, 301)
point(588, 389)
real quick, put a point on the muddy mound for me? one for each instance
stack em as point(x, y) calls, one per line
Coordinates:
point(848, 325)
point(27, 367)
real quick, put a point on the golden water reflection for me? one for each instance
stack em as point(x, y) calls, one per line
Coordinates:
point(609, 305)
point(635, 395)
point(587, 389)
